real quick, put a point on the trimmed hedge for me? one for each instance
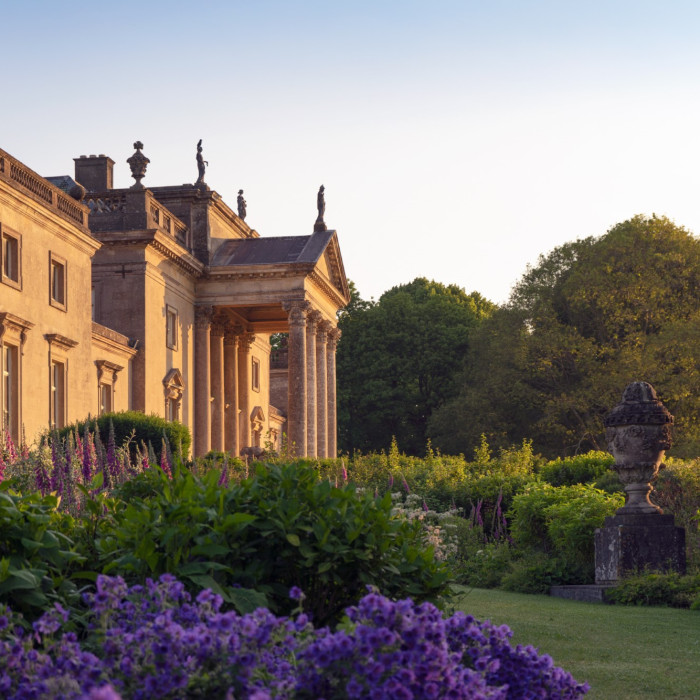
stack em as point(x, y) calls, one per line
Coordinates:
point(581, 469)
point(145, 428)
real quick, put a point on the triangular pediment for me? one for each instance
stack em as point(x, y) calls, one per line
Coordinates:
point(173, 379)
point(329, 266)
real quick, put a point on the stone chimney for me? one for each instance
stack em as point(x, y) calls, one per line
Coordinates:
point(94, 173)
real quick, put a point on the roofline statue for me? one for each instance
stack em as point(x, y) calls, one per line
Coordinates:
point(200, 165)
point(320, 224)
point(241, 205)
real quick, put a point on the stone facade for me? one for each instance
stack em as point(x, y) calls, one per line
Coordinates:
point(162, 300)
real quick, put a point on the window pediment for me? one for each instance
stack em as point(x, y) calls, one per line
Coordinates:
point(14, 327)
point(61, 341)
point(174, 384)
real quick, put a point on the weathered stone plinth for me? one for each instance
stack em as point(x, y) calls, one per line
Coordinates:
point(632, 542)
point(584, 593)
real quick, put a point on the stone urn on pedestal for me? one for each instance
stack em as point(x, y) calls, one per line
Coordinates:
point(639, 536)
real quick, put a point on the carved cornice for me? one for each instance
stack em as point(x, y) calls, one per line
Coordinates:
point(189, 263)
point(60, 341)
point(106, 339)
point(156, 240)
point(215, 274)
point(14, 324)
point(108, 370)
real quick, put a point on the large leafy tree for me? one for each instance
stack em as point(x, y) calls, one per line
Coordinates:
point(591, 317)
point(397, 361)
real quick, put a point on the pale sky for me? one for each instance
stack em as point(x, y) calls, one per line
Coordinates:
point(456, 140)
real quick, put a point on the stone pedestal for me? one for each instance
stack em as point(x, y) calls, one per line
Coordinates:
point(632, 542)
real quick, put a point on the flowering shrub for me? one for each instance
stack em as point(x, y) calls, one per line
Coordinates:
point(439, 530)
point(152, 641)
point(66, 467)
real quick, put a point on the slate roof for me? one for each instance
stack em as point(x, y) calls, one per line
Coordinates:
point(272, 251)
point(63, 182)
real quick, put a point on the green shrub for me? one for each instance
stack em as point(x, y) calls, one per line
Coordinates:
point(138, 427)
point(485, 566)
point(677, 491)
point(280, 529)
point(581, 469)
point(37, 557)
point(609, 482)
point(559, 522)
point(669, 590)
point(560, 518)
point(535, 572)
point(236, 468)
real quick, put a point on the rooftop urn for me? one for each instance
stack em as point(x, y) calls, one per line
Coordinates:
point(138, 164)
point(638, 433)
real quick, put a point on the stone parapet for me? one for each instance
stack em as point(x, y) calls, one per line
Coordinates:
point(128, 210)
point(41, 190)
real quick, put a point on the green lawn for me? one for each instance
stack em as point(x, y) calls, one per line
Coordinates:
point(623, 652)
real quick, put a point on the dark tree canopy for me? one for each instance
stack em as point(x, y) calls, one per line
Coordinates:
point(397, 361)
point(591, 317)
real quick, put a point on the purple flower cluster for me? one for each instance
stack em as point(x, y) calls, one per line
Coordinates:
point(401, 651)
point(153, 641)
point(67, 466)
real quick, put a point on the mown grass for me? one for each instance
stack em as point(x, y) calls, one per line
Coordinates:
point(623, 652)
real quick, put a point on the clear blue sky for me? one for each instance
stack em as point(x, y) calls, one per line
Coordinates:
point(456, 140)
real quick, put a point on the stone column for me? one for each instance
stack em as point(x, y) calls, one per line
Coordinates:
point(322, 388)
point(333, 337)
point(297, 391)
point(217, 386)
point(312, 320)
point(202, 386)
point(245, 342)
point(231, 392)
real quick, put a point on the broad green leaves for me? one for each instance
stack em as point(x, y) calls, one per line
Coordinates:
point(37, 560)
point(251, 542)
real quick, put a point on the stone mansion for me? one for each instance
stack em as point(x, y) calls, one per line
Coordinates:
point(163, 300)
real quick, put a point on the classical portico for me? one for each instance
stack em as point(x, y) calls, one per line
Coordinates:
point(252, 289)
